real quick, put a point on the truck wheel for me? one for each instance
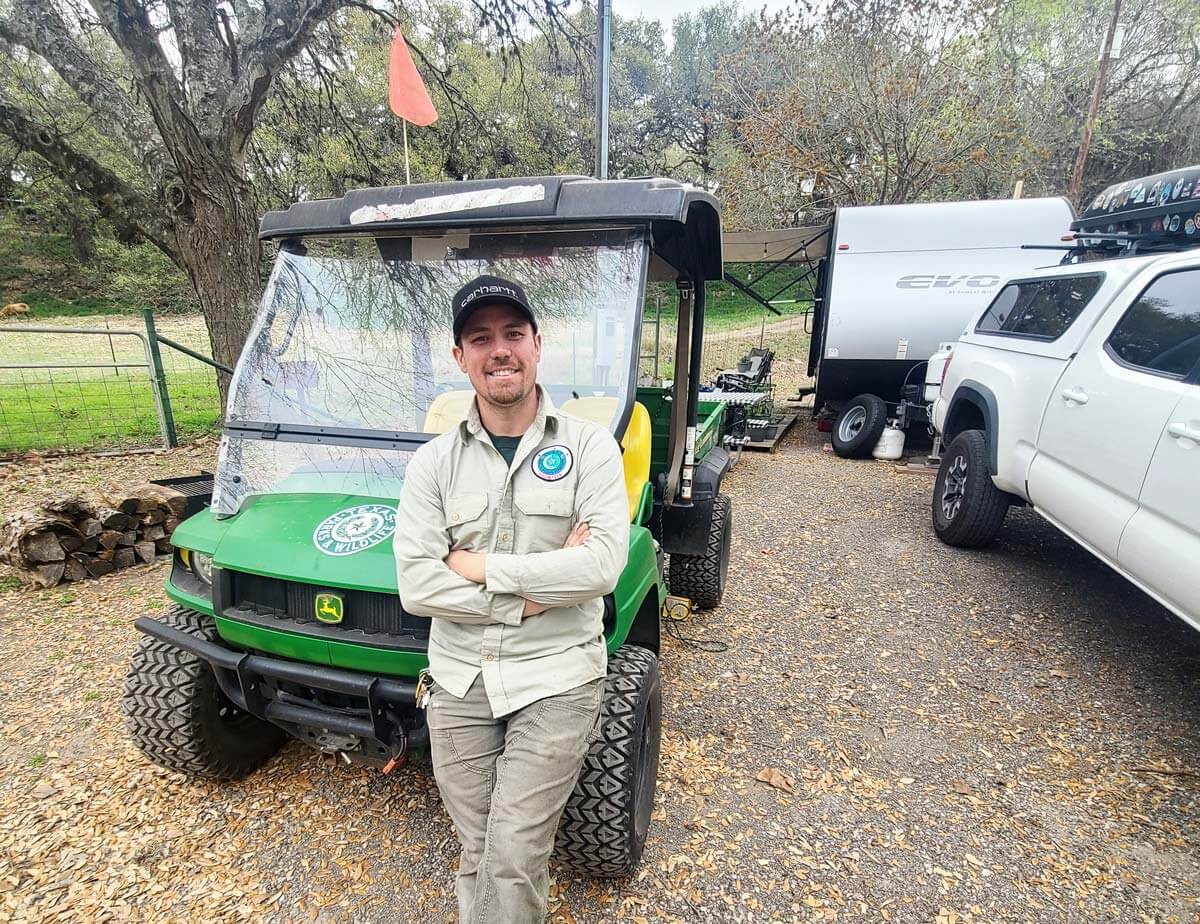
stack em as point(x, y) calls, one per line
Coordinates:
point(603, 828)
point(859, 426)
point(701, 578)
point(178, 716)
point(968, 509)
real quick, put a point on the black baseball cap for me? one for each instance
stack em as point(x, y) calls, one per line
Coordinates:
point(486, 290)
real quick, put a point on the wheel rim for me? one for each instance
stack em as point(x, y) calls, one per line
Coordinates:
point(852, 423)
point(954, 487)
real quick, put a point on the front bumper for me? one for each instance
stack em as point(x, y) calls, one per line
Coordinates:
point(311, 701)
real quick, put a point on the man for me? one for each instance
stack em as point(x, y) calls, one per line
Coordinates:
point(512, 526)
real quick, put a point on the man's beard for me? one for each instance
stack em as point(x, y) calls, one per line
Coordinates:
point(503, 397)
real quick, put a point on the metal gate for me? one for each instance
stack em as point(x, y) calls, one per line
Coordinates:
point(75, 389)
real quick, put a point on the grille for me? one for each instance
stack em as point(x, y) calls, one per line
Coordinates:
point(293, 602)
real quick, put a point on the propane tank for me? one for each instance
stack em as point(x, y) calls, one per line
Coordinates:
point(934, 371)
point(891, 443)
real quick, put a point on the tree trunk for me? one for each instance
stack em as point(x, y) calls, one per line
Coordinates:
point(82, 233)
point(216, 231)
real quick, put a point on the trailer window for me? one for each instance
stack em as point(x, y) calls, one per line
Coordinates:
point(1039, 309)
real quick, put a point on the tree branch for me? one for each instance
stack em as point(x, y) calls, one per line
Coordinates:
point(127, 208)
point(39, 28)
point(288, 27)
point(128, 22)
point(206, 79)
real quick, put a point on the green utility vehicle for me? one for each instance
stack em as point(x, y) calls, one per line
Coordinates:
point(289, 620)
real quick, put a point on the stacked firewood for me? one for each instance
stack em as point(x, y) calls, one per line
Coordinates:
point(69, 538)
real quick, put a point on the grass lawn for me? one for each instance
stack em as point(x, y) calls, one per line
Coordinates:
point(112, 411)
point(106, 406)
point(43, 306)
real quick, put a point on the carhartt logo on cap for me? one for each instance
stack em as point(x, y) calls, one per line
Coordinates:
point(480, 291)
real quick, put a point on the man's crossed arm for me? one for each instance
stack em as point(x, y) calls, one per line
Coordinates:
point(476, 587)
point(473, 565)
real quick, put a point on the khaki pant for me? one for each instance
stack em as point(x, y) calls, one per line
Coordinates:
point(505, 783)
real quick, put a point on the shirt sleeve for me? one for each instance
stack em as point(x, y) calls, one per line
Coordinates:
point(427, 586)
point(565, 577)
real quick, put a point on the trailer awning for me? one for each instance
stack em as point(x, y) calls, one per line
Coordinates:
point(777, 245)
point(770, 250)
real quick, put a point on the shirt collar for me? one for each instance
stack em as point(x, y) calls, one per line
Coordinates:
point(546, 419)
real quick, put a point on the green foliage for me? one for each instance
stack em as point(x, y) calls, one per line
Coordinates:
point(38, 267)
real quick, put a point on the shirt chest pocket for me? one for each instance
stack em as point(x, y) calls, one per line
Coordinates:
point(546, 516)
point(468, 522)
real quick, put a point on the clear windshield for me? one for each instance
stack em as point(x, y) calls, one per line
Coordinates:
point(354, 333)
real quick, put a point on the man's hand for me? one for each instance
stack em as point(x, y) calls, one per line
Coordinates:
point(469, 565)
point(533, 609)
point(580, 533)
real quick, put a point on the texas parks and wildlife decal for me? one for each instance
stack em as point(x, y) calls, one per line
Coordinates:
point(355, 528)
point(552, 463)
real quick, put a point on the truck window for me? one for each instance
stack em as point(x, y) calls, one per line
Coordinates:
point(1040, 309)
point(1161, 330)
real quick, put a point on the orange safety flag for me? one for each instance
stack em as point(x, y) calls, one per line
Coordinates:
point(406, 91)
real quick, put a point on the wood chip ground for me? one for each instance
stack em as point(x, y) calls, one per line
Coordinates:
point(897, 732)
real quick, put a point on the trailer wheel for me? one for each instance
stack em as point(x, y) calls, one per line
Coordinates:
point(701, 578)
point(968, 509)
point(178, 716)
point(859, 426)
point(603, 828)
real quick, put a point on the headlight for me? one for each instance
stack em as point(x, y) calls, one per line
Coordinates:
point(201, 566)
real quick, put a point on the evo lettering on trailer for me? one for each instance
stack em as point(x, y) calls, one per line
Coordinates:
point(354, 529)
point(944, 281)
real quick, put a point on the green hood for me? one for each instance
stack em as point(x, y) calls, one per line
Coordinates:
point(297, 537)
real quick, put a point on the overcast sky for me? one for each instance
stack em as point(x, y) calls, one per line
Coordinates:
point(666, 10)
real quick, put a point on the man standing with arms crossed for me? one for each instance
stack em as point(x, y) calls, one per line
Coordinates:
point(511, 528)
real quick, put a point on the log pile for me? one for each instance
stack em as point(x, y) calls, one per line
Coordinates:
point(69, 538)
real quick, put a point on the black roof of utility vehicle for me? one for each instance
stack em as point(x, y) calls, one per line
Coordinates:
point(685, 221)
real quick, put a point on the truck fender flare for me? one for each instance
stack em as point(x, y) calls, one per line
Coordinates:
point(980, 397)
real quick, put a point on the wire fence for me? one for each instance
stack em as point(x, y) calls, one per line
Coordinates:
point(63, 390)
point(88, 384)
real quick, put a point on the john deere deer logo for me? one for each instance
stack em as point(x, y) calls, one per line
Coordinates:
point(329, 608)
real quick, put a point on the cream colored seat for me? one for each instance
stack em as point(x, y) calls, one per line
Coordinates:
point(449, 409)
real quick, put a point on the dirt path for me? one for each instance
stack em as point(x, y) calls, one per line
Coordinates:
point(1003, 735)
point(785, 325)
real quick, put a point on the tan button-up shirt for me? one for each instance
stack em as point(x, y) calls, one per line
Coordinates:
point(459, 494)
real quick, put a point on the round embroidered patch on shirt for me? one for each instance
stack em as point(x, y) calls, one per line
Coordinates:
point(354, 529)
point(552, 463)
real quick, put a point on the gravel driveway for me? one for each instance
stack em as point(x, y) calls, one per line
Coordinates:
point(1002, 735)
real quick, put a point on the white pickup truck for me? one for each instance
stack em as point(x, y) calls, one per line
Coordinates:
point(1078, 392)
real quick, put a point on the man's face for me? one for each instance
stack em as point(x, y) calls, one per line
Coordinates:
point(499, 352)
